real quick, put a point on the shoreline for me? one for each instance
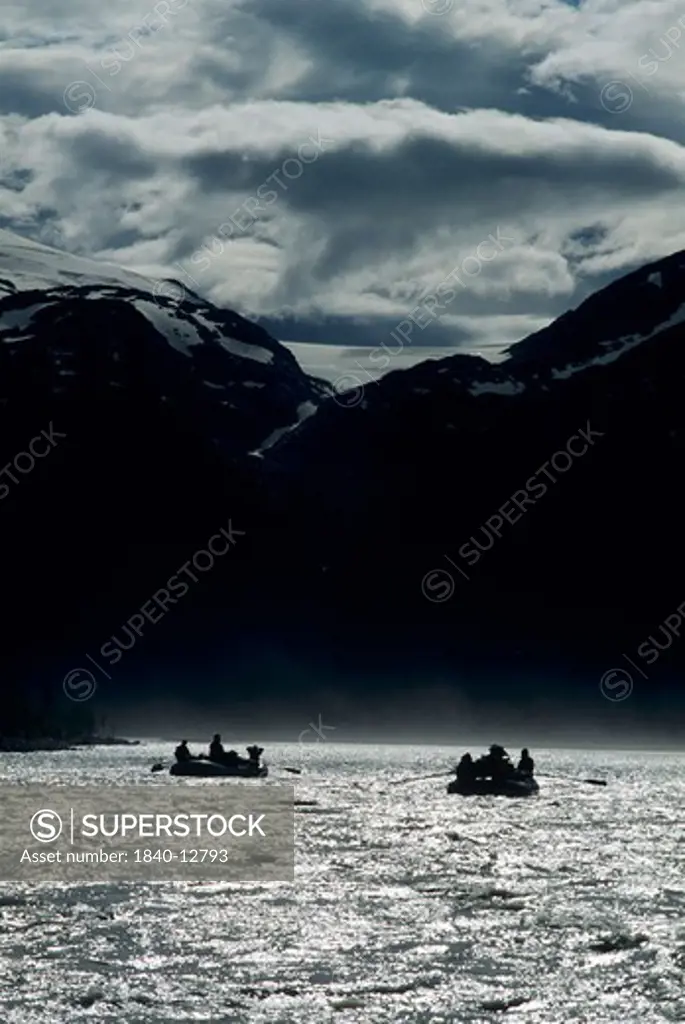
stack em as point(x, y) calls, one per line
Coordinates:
point(44, 744)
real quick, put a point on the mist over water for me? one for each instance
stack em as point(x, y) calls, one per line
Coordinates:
point(433, 713)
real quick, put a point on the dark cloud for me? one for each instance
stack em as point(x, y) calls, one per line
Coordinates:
point(116, 156)
point(364, 55)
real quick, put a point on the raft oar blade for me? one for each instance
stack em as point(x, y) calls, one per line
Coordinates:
point(419, 778)
point(293, 771)
point(159, 767)
point(581, 782)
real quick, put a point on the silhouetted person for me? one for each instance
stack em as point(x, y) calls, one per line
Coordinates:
point(495, 764)
point(216, 749)
point(465, 769)
point(182, 753)
point(254, 753)
point(502, 762)
point(526, 763)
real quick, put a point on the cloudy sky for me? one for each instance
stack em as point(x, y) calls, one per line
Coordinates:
point(325, 164)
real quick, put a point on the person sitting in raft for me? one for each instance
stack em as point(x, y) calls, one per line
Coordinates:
point(221, 756)
point(254, 753)
point(495, 764)
point(526, 763)
point(216, 749)
point(501, 762)
point(465, 769)
point(182, 753)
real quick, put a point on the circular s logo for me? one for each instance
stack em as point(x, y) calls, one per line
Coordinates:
point(79, 96)
point(616, 97)
point(46, 826)
point(169, 293)
point(616, 684)
point(437, 585)
point(79, 684)
point(348, 391)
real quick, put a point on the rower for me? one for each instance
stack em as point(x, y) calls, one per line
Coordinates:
point(465, 769)
point(216, 749)
point(182, 753)
point(495, 764)
point(526, 763)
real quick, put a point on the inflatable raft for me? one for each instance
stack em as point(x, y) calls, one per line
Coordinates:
point(205, 769)
point(514, 785)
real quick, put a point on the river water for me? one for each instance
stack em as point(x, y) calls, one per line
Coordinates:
point(408, 905)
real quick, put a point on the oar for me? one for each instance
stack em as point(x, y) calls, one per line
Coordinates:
point(568, 778)
point(418, 778)
point(159, 766)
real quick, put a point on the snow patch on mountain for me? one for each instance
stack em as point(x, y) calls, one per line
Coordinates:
point(622, 345)
point(304, 411)
point(505, 387)
point(12, 319)
point(233, 345)
point(210, 327)
point(239, 348)
point(179, 332)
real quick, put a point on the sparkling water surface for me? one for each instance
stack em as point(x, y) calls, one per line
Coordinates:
point(408, 905)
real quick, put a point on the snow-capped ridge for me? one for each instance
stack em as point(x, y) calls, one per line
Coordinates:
point(28, 265)
point(627, 312)
point(73, 326)
point(621, 345)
